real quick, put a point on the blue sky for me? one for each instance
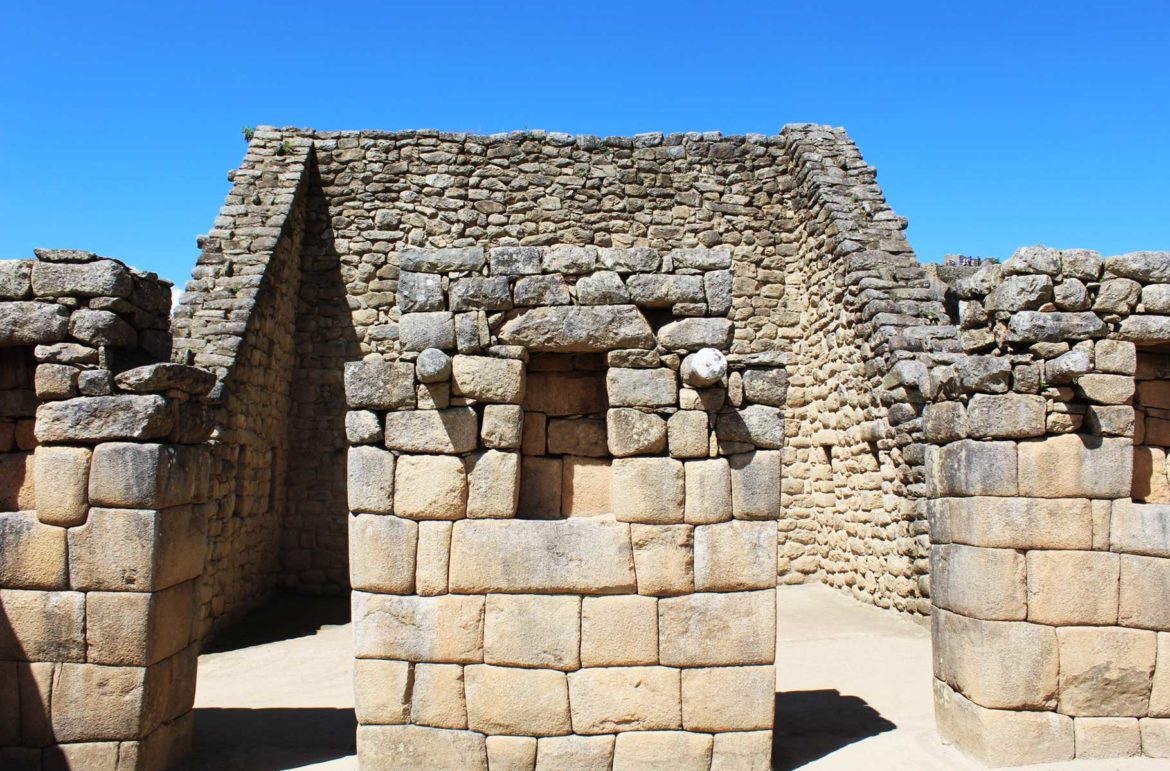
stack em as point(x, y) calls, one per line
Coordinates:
point(992, 124)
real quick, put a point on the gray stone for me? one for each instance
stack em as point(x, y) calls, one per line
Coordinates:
point(549, 289)
point(701, 259)
point(502, 426)
point(717, 288)
point(755, 484)
point(157, 378)
point(488, 379)
point(104, 418)
point(1082, 264)
point(986, 374)
point(104, 278)
point(633, 432)
point(570, 260)
point(1034, 259)
point(98, 328)
point(15, 279)
point(633, 260)
point(766, 386)
point(379, 385)
point(95, 382)
point(655, 290)
point(480, 293)
point(432, 366)
point(693, 334)
point(371, 480)
point(1117, 295)
point(980, 283)
point(576, 329)
point(467, 258)
point(64, 353)
point(471, 332)
point(1018, 293)
point(1007, 416)
point(32, 323)
point(602, 288)
point(1156, 298)
point(1071, 295)
point(1146, 267)
point(362, 427)
point(968, 467)
point(452, 430)
point(705, 367)
point(419, 331)
point(420, 292)
point(1142, 329)
point(641, 387)
point(1066, 368)
point(515, 260)
point(56, 381)
point(756, 424)
point(1035, 327)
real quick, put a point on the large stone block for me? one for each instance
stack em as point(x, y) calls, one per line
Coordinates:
point(651, 749)
point(1069, 588)
point(1106, 671)
point(978, 582)
point(488, 379)
point(756, 424)
point(137, 550)
point(166, 376)
point(1013, 523)
point(32, 323)
point(480, 293)
point(139, 628)
point(634, 432)
point(742, 751)
point(430, 487)
point(379, 385)
point(578, 329)
point(664, 559)
point(968, 467)
point(99, 328)
point(62, 479)
point(420, 292)
point(446, 629)
point(708, 491)
point(657, 387)
point(517, 702)
point(371, 480)
point(1002, 737)
point(735, 556)
point(648, 490)
point(398, 747)
point(433, 558)
point(15, 279)
point(687, 430)
point(728, 698)
point(693, 334)
point(42, 626)
point(657, 290)
point(574, 556)
point(92, 702)
point(32, 554)
point(381, 553)
point(710, 630)
point(381, 691)
point(575, 753)
point(1076, 466)
point(532, 630)
point(501, 426)
point(1107, 737)
point(419, 331)
point(619, 631)
point(1155, 737)
point(585, 487)
point(437, 696)
point(513, 753)
point(1160, 693)
point(103, 419)
point(1145, 581)
point(130, 475)
point(541, 485)
point(452, 430)
point(101, 278)
point(581, 436)
point(755, 484)
point(1007, 416)
point(611, 699)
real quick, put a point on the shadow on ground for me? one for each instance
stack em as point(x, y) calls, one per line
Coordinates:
point(813, 724)
point(285, 616)
point(271, 739)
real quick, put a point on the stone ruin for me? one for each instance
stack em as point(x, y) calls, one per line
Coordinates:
point(561, 412)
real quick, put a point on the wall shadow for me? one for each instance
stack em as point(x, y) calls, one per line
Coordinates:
point(813, 724)
point(286, 616)
point(271, 739)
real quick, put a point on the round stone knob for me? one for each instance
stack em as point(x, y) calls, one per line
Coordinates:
point(432, 366)
point(704, 367)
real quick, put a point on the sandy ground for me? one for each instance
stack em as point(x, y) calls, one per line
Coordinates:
point(853, 693)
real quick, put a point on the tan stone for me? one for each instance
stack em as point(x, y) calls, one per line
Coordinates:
point(1068, 588)
point(493, 483)
point(502, 426)
point(1105, 671)
point(1008, 416)
point(664, 559)
point(1014, 523)
point(1102, 516)
point(585, 487)
point(1076, 466)
point(630, 431)
point(968, 467)
point(371, 480)
point(1145, 585)
point(648, 490)
point(1149, 475)
point(619, 631)
point(1107, 737)
point(137, 550)
point(755, 484)
point(487, 379)
point(1002, 737)
point(432, 559)
point(735, 556)
point(42, 626)
point(565, 393)
point(381, 553)
point(687, 431)
point(732, 629)
point(36, 687)
point(742, 751)
point(611, 699)
point(1117, 356)
point(657, 387)
point(446, 629)
point(1155, 737)
point(92, 702)
point(574, 556)
point(1106, 389)
point(62, 496)
point(452, 430)
point(17, 481)
point(32, 555)
point(533, 442)
point(398, 747)
point(977, 582)
point(517, 702)
point(437, 696)
point(540, 488)
point(511, 753)
point(1160, 693)
point(131, 475)
point(575, 753)
point(381, 691)
point(662, 751)
point(532, 630)
point(728, 698)
point(139, 629)
point(708, 491)
point(579, 436)
point(430, 487)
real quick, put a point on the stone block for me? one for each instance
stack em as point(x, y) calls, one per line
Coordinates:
point(574, 556)
point(1115, 356)
point(420, 292)
point(137, 550)
point(101, 328)
point(619, 631)
point(472, 333)
point(432, 367)
point(742, 751)
point(708, 491)
point(15, 280)
point(480, 293)
point(397, 747)
point(1160, 693)
point(501, 426)
point(656, 387)
point(755, 485)
point(517, 702)
point(363, 427)
point(446, 629)
point(650, 749)
point(32, 323)
point(693, 334)
point(419, 331)
point(728, 698)
point(515, 260)
point(968, 467)
point(541, 484)
point(56, 381)
point(1107, 737)
point(493, 483)
point(1106, 389)
point(634, 432)
point(33, 553)
point(532, 630)
point(101, 278)
point(432, 560)
point(381, 691)
point(575, 753)
point(996, 664)
point(711, 630)
point(658, 290)
point(663, 559)
point(488, 379)
point(379, 385)
point(648, 490)
point(63, 476)
point(1144, 582)
point(578, 328)
point(166, 376)
point(1106, 671)
point(513, 753)
point(370, 476)
point(755, 424)
point(735, 556)
point(103, 419)
point(452, 430)
point(542, 290)
point(978, 582)
point(1076, 466)
point(766, 386)
point(1155, 737)
point(631, 260)
point(381, 553)
point(42, 626)
point(602, 287)
point(687, 430)
point(92, 702)
point(565, 393)
point(1069, 588)
point(611, 699)
point(131, 475)
point(1002, 737)
point(533, 442)
point(1005, 416)
point(436, 697)
point(445, 260)
point(137, 629)
point(582, 436)
point(1014, 523)
point(430, 487)
point(570, 260)
point(585, 487)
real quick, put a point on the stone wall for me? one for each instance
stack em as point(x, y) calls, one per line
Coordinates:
point(1049, 574)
